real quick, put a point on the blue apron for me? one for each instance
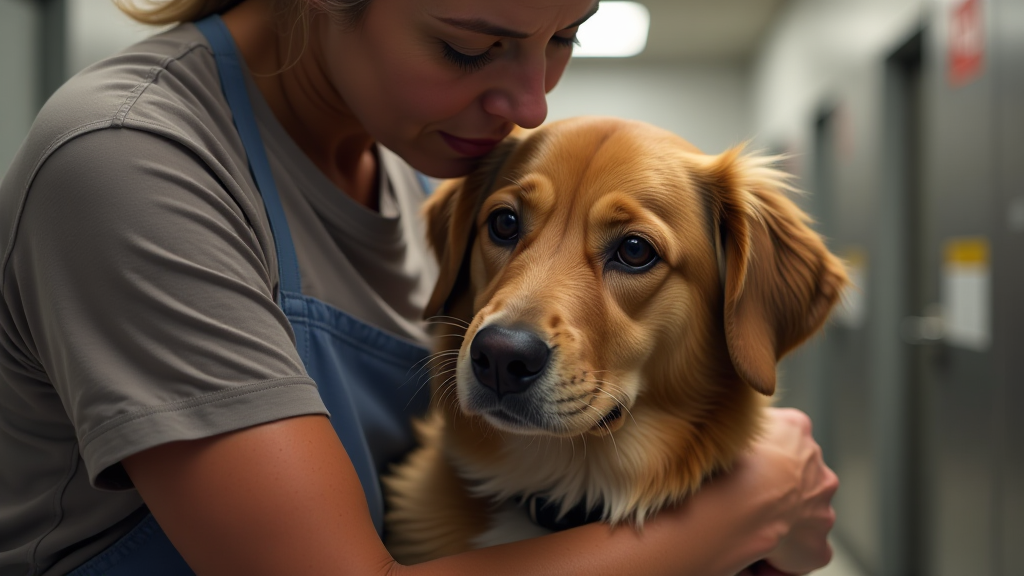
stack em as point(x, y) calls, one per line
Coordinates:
point(362, 373)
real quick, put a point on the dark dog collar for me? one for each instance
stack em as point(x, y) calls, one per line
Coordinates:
point(545, 513)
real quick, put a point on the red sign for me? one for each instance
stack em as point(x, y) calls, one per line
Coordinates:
point(966, 42)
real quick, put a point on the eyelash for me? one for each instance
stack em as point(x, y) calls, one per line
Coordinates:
point(563, 42)
point(470, 63)
point(464, 61)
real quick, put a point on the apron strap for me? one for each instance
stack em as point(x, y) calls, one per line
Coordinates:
point(426, 183)
point(232, 80)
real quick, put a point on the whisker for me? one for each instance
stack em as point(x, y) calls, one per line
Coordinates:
point(423, 361)
point(449, 336)
point(611, 435)
point(584, 438)
point(616, 399)
point(444, 363)
point(453, 320)
point(444, 389)
point(445, 323)
point(449, 389)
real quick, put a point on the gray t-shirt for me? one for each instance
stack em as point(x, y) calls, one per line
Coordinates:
point(138, 282)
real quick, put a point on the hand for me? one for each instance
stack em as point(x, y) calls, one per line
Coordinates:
point(804, 547)
point(762, 568)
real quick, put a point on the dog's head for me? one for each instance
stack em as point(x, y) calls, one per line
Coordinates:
point(601, 261)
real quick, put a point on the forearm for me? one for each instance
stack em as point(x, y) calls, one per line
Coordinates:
point(775, 504)
point(711, 534)
point(284, 498)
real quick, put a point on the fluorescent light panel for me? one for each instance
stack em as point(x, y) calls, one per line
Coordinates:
point(618, 30)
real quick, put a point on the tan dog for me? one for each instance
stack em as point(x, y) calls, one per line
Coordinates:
point(624, 300)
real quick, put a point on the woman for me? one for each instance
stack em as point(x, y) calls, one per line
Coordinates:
point(210, 241)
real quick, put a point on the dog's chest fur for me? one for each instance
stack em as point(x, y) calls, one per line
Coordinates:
point(460, 489)
point(509, 522)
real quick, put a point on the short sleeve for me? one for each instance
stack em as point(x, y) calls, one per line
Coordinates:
point(148, 301)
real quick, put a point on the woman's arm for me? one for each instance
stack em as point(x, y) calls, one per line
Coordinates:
point(283, 498)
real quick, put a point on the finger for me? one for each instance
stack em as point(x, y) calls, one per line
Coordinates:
point(763, 568)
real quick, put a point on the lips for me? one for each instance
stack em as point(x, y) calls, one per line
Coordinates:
point(610, 417)
point(472, 147)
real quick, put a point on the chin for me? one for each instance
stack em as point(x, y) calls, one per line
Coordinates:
point(435, 165)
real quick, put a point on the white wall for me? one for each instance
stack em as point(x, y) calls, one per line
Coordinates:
point(97, 29)
point(707, 105)
point(19, 22)
point(812, 55)
point(830, 56)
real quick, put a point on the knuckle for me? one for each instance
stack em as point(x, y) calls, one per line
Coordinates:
point(798, 419)
point(826, 554)
point(805, 422)
point(818, 454)
point(830, 519)
point(832, 481)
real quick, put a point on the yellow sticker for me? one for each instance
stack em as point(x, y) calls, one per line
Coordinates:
point(855, 256)
point(967, 293)
point(852, 309)
point(967, 251)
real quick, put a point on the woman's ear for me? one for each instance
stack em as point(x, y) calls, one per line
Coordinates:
point(450, 213)
point(780, 280)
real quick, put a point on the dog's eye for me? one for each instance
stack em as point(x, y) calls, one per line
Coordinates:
point(504, 226)
point(636, 252)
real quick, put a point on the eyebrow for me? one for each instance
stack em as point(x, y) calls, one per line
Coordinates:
point(481, 26)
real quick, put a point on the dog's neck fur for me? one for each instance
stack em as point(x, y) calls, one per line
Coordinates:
point(647, 465)
point(659, 456)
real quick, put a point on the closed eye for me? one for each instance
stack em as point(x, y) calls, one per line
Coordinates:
point(466, 62)
point(564, 42)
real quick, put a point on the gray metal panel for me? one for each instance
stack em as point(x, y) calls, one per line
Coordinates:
point(958, 390)
point(843, 200)
point(894, 255)
point(51, 47)
point(1008, 272)
point(18, 34)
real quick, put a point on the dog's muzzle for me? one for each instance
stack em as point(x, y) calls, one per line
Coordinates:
point(508, 360)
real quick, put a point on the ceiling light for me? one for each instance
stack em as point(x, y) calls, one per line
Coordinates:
point(617, 30)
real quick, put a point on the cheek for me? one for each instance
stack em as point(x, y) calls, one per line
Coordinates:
point(430, 101)
point(393, 87)
point(641, 295)
point(557, 63)
point(415, 94)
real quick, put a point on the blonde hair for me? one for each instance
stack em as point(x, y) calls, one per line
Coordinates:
point(162, 12)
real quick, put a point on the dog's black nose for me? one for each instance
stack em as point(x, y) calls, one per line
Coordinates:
point(507, 360)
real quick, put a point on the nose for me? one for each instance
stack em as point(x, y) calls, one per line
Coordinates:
point(522, 100)
point(506, 360)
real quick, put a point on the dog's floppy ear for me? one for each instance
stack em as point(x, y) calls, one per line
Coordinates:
point(450, 213)
point(780, 279)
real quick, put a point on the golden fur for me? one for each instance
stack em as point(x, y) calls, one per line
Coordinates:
point(688, 360)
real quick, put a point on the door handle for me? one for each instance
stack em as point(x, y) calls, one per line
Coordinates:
point(922, 330)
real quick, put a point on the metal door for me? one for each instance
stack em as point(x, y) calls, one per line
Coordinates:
point(1008, 276)
point(957, 392)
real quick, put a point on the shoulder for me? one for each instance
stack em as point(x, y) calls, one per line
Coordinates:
point(157, 82)
point(159, 99)
point(125, 191)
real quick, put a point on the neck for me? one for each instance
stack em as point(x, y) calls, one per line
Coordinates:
point(284, 63)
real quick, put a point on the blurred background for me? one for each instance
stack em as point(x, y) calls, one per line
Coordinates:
point(904, 120)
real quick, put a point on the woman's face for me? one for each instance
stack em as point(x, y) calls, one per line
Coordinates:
point(440, 82)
